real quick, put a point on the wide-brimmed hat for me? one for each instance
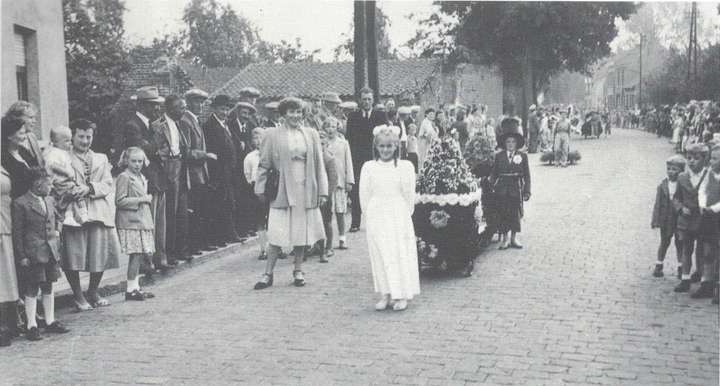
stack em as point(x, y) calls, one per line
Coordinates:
point(510, 127)
point(221, 100)
point(349, 105)
point(272, 105)
point(196, 93)
point(250, 92)
point(148, 94)
point(330, 97)
point(246, 105)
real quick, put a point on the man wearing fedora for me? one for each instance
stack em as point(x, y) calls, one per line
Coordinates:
point(241, 125)
point(138, 132)
point(196, 160)
point(219, 141)
point(250, 95)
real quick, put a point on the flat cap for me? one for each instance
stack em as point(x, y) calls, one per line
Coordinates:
point(195, 93)
point(250, 92)
point(246, 105)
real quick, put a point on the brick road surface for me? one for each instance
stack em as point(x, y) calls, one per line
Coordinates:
point(577, 306)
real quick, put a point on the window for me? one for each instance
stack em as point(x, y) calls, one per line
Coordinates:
point(20, 54)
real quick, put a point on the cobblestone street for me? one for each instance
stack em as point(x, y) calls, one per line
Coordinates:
point(578, 305)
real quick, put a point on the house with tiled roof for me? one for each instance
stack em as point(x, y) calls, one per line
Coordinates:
point(429, 82)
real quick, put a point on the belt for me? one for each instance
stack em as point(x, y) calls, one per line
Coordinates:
point(178, 156)
point(509, 175)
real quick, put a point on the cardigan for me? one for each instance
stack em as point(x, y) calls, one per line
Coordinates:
point(101, 202)
point(131, 213)
point(343, 162)
point(274, 153)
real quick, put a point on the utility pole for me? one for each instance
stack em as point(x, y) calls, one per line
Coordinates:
point(692, 53)
point(359, 46)
point(371, 46)
point(642, 37)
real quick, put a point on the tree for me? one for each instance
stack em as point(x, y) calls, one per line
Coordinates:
point(385, 51)
point(96, 57)
point(217, 36)
point(531, 41)
point(285, 52)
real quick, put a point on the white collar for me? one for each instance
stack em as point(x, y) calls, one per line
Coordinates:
point(143, 118)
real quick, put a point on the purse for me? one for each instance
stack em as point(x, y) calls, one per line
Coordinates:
point(272, 184)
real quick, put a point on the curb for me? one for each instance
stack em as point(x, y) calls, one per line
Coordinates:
point(64, 299)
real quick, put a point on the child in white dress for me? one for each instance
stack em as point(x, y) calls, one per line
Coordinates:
point(387, 199)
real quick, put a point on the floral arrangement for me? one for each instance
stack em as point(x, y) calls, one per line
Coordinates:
point(445, 171)
point(480, 155)
point(439, 219)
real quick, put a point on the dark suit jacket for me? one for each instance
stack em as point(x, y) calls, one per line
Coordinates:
point(219, 141)
point(196, 156)
point(35, 230)
point(18, 171)
point(359, 135)
point(512, 186)
point(687, 197)
point(137, 134)
point(665, 210)
point(241, 136)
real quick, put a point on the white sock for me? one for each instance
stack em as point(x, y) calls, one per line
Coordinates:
point(262, 239)
point(133, 285)
point(659, 262)
point(48, 302)
point(31, 311)
point(342, 238)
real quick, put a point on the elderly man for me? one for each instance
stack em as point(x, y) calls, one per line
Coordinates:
point(272, 111)
point(196, 158)
point(137, 132)
point(360, 127)
point(250, 95)
point(222, 172)
point(330, 102)
point(26, 112)
point(172, 149)
point(241, 125)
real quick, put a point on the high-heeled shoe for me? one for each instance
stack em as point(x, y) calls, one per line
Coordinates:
point(298, 278)
point(265, 282)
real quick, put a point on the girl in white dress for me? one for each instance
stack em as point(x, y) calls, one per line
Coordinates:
point(387, 199)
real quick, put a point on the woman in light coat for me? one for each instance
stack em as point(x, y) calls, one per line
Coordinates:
point(294, 221)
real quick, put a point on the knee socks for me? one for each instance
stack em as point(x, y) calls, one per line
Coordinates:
point(31, 311)
point(48, 301)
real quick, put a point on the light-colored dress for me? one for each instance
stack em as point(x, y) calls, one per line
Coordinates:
point(387, 198)
point(295, 225)
point(428, 135)
point(8, 278)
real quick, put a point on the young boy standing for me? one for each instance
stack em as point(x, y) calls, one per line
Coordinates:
point(689, 218)
point(709, 202)
point(36, 246)
point(340, 149)
point(665, 214)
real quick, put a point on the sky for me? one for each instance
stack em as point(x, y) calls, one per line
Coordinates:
point(319, 23)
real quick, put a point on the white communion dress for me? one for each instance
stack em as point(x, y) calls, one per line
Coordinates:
point(387, 199)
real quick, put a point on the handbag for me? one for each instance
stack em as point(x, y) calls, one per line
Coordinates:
point(272, 184)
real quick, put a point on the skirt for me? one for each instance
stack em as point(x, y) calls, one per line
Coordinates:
point(8, 279)
point(340, 201)
point(294, 227)
point(93, 247)
point(136, 241)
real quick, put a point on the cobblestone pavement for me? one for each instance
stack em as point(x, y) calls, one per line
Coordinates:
point(577, 306)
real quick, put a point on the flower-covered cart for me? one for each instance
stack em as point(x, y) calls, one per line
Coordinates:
point(445, 217)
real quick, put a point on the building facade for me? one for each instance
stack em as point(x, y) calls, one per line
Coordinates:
point(33, 60)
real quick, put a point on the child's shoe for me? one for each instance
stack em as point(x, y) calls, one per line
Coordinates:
point(695, 277)
point(383, 303)
point(658, 272)
point(134, 295)
point(400, 305)
point(33, 334)
point(342, 245)
point(684, 286)
point(263, 256)
point(704, 292)
point(56, 328)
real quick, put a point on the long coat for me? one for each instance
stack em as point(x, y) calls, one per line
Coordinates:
point(275, 153)
point(196, 156)
point(511, 179)
point(35, 229)
point(219, 141)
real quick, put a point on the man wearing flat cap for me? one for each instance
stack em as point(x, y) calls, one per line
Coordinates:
point(250, 95)
point(241, 125)
point(137, 131)
point(222, 171)
point(197, 156)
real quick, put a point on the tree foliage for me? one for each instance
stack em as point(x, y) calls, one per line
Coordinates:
point(669, 85)
point(382, 23)
point(286, 52)
point(96, 56)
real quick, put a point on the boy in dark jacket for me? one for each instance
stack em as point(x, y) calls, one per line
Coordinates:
point(665, 213)
point(36, 247)
point(689, 218)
